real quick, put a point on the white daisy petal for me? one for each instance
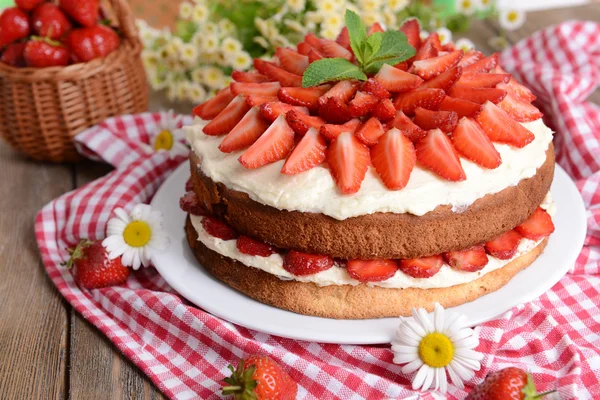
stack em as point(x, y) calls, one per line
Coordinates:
point(407, 336)
point(115, 226)
point(398, 348)
point(136, 260)
point(405, 358)
point(461, 369)
point(443, 388)
point(423, 318)
point(438, 316)
point(454, 377)
point(467, 362)
point(428, 379)
point(412, 366)
point(127, 257)
point(121, 214)
point(470, 342)
point(419, 379)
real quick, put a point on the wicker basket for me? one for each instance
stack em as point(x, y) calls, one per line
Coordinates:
point(41, 110)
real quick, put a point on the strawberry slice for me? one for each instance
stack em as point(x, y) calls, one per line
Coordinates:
point(218, 229)
point(332, 131)
point(514, 87)
point(396, 80)
point(253, 247)
point(308, 153)
point(385, 110)
point(302, 264)
point(478, 95)
point(504, 246)
point(430, 48)
point(449, 47)
point(464, 108)
point(332, 49)
point(432, 67)
point(427, 119)
point(304, 48)
point(362, 104)
point(273, 72)
point(246, 132)
point(443, 81)
point(370, 132)
point(470, 57)
point(254, 100)
point(191, 204)
point(424, 267)
point(348, 162)
point(403, 66)
point(211, 108)
point(520, 110)
point(333, 105)
point(376, 27)
point(483, 65)
point(469, 260)
point(394, 158)
point(275, 144)
point(343, 38)
point(265, 89)
point(343, 91)
point(372, 270)
point(292, 61)
point(473, 144)
point(314, 55)
point(483, 80)
point(501, 128)
point(313, 40)
point(301, 123)
point(307, 97)
point(436, 153)
point(228, 118)
point(270, 111)
point(248, 77)
point(408, 127)
point(412, 30)
point(425, 98)
point(373, 87)
point(537, 226)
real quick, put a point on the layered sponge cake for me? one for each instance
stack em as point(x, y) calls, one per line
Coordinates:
point(426, 182)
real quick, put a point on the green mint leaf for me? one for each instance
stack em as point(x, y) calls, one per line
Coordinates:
point(357, 32)
point(394, 49)
point(331, 69)
point(372, 45)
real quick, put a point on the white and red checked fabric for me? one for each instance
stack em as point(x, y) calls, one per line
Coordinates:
point(185, 351)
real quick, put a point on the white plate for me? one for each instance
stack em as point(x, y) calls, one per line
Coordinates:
point(181, 270)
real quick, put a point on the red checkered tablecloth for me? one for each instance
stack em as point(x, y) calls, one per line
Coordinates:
point(185, 351)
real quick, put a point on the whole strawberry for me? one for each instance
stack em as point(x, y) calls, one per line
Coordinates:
point(28, 5)
point(260, 378)
point(14, 25)
point(13, 55)
point(49, 21)
point(91, 267)
point(42, 53)
point(83, 11)
point(507, 384)
point(89, 43)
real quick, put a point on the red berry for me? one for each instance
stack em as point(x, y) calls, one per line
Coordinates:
point(218, 229)
point(49, 21)
point(371, 271)
point(190, 203)
point(469, 260)
point(93, 269)
point(86, 12)
point(253, 247)
point(260, 378)
point(14, 25)
point(537, 226)
point(211, 108)
point(507, 384)
point(44, 53)
point(504, 246)
point(28, 5)
point(302, 264)
point(89, 43)
point(14, 55)
point(424, 267)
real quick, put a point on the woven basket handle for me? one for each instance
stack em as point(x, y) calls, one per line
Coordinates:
point(126, 19)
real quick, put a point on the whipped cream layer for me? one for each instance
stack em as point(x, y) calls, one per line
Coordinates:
point(337, 275)
point(315, 191)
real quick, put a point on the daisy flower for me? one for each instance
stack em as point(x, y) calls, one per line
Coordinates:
point(296, 5)
point(327, 6)
point(199, 14)
point(135, 237)
point(483, 4)
point(197, 94)
point(464, 44)
point(210, 44)
point(397, 5)
point(445, 35)
point(231, 46)
point(436, 345)
point(511, 19)
point(212, 77)
point(169, 135)
point(226, 26)
point(188, 54)
point(185, 10)
point(467, 7)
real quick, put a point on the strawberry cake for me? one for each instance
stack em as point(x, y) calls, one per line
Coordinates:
point(363, 194)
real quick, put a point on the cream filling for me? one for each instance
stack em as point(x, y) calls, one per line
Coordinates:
point(337, 275)
point(315, 191)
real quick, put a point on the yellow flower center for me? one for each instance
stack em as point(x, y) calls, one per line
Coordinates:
point(137, 234)
point(466, 4)
point(164, 141)
point(512, 16)
point(436, 350)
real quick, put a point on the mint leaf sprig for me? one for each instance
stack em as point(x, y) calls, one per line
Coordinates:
point(371, 52)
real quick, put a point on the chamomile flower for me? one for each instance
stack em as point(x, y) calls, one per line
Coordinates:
point(196, 92)
point(435, 346)
point(511, 19)
point(210, 28)
point(261, 41)
point(199, 13)
point(169, 135)
point(333, 21)
point(210, 44)
point(327, 6)
point(188, 54)
point(397, 5)
point(185, 10)
point(467, 7)
point(294, 26)
point(241, 61)
point(464, 44)
point(445, 35)
point(483, 4)
point(390, 19)
point(370, 5)
point(135, 237)
point(296, 5)
point(369, 18)
point(226, 26)
point(231, 46)
point(212, 77)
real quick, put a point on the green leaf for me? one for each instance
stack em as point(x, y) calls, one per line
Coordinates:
point(372, 45)
point(331, 69)
point(357, 32)
point(394, 49)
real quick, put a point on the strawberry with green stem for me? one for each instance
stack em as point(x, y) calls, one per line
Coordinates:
point(92, 268)
point(508, 384)
point(259, 378)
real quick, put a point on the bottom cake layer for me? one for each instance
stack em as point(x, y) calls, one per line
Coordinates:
point(346, 301)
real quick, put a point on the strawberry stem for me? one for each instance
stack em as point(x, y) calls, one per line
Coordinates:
point(540, 395)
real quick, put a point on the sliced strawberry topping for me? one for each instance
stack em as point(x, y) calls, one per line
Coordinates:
point(266, 89)
point(408, 127)
point(426, 98)
point(478, 95)
point(538, 226)
point(370, 132)
point(276, 73)
point(307, 97)
point(211, 108)
point(430, 48)
point(504, 246)
point(483, 80)
point(307, 154)
point(449, 47)
point(348, 162)
point(412, 30)
point(520, 110)
point(304, 48)
point(362, 104)
point(424, 267)
point(248, 77)
point(302, 264)
point(427, 119)
point(343, 91)
point(483, 65)
point(292, 61)
point(501, 128)
point(270, 111)
point(301, 123)
point(473, 144)
point(464, 108)
point(314, 55)
point(396, 80)
point(373, 87)
point(432, 67)
point(332, 131)
point(470, 260)
point(191, 204)
point(371, 271)
point(436, 153)
point(443, 81)
point(228, 118)
point(515, 88)
point(253, 247)
point(470, 57)
point(218, 229)
point(343, 38)
point(332, 49)
point(403, 66)
point(245, 133)
point(314, 41)
point(394, 158)
point(254, 100)
point(275, 144)
point(333, 105)
point(385, 110)
point(376, 27)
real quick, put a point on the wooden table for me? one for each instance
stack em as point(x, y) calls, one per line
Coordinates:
point(47, 350)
